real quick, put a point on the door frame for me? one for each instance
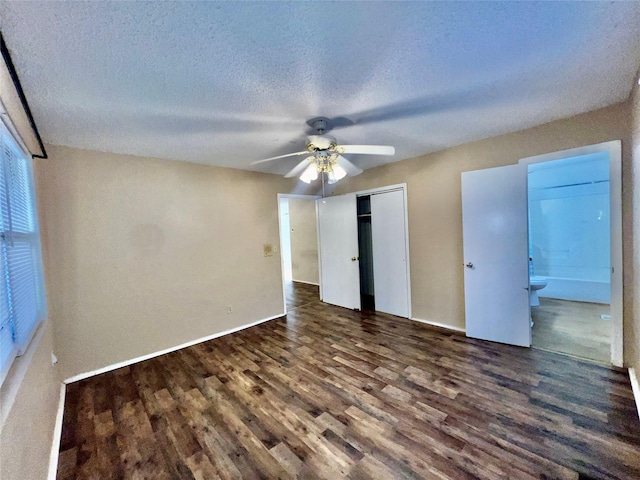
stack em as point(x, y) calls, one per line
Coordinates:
point(614, 149)
point(281, 196)
point(390, 188)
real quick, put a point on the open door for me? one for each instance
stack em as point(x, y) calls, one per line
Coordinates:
point(496, 270)
point(339, 268)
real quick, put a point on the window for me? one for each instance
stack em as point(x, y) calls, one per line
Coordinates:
point(22, 300)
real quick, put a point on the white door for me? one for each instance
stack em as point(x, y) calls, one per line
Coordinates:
point(496, 270)
point(339, 266)
point(389, 253)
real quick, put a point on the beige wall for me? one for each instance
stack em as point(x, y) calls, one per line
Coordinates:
point(29, 402)
point(633, 345)
point(434, 202)
point(304, 240)
point(144, 254)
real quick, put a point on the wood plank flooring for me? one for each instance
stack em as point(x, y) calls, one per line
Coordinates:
point(299, 294)
point(329, 393)
point(574, 328)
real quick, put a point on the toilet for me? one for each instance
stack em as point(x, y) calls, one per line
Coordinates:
point(535, 284)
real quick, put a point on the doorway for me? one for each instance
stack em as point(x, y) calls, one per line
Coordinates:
point(299, 250)
point(569, 255)
point(498, 284)
point(574, 210)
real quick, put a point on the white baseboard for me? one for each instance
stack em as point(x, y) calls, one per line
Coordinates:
point(437, 324)
point(126, 363)
point(308, 283)
point(635, 386)
point(57, 434)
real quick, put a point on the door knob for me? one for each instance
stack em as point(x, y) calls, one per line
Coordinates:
point(469, 265)
point(353, 259)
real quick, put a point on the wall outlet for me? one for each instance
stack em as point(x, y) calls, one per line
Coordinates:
point(229, 309)
point(54, 359)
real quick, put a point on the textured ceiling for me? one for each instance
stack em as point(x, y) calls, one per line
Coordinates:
point(229, 83)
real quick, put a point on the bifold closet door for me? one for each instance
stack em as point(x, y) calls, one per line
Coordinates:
point(389, 253)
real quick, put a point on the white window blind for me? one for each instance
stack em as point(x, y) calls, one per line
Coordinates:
point(22, 304)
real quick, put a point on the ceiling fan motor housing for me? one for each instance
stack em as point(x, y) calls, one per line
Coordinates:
point(318, 143)
point(319, 125)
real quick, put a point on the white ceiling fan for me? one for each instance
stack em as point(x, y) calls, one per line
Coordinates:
point(324, 155)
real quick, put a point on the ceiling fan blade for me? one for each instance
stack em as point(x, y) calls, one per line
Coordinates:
point(280, 156)
point(298, 169)
point(368, 149)
point(349, 167)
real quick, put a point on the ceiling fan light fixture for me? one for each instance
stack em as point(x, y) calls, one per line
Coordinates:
point(310, 173)
point(336, 173)
point(325, 155)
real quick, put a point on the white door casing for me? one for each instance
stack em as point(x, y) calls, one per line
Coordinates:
point(614, 149)
point(496, 273)
point(339, 266)
point(389, 253)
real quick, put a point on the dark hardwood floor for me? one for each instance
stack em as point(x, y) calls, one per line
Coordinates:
point(299, 294)
point(330, 393)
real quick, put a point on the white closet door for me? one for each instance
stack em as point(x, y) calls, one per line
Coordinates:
point(339, 266)
point(389, 253)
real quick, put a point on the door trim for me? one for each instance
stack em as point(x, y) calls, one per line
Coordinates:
point(281, 196)
point(614, 149)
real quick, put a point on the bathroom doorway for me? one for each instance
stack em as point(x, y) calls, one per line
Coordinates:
point(575, 253)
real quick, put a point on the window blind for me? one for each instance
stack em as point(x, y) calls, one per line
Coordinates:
point(21, 285)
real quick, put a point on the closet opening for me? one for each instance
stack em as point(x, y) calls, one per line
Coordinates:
point(365, 251)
